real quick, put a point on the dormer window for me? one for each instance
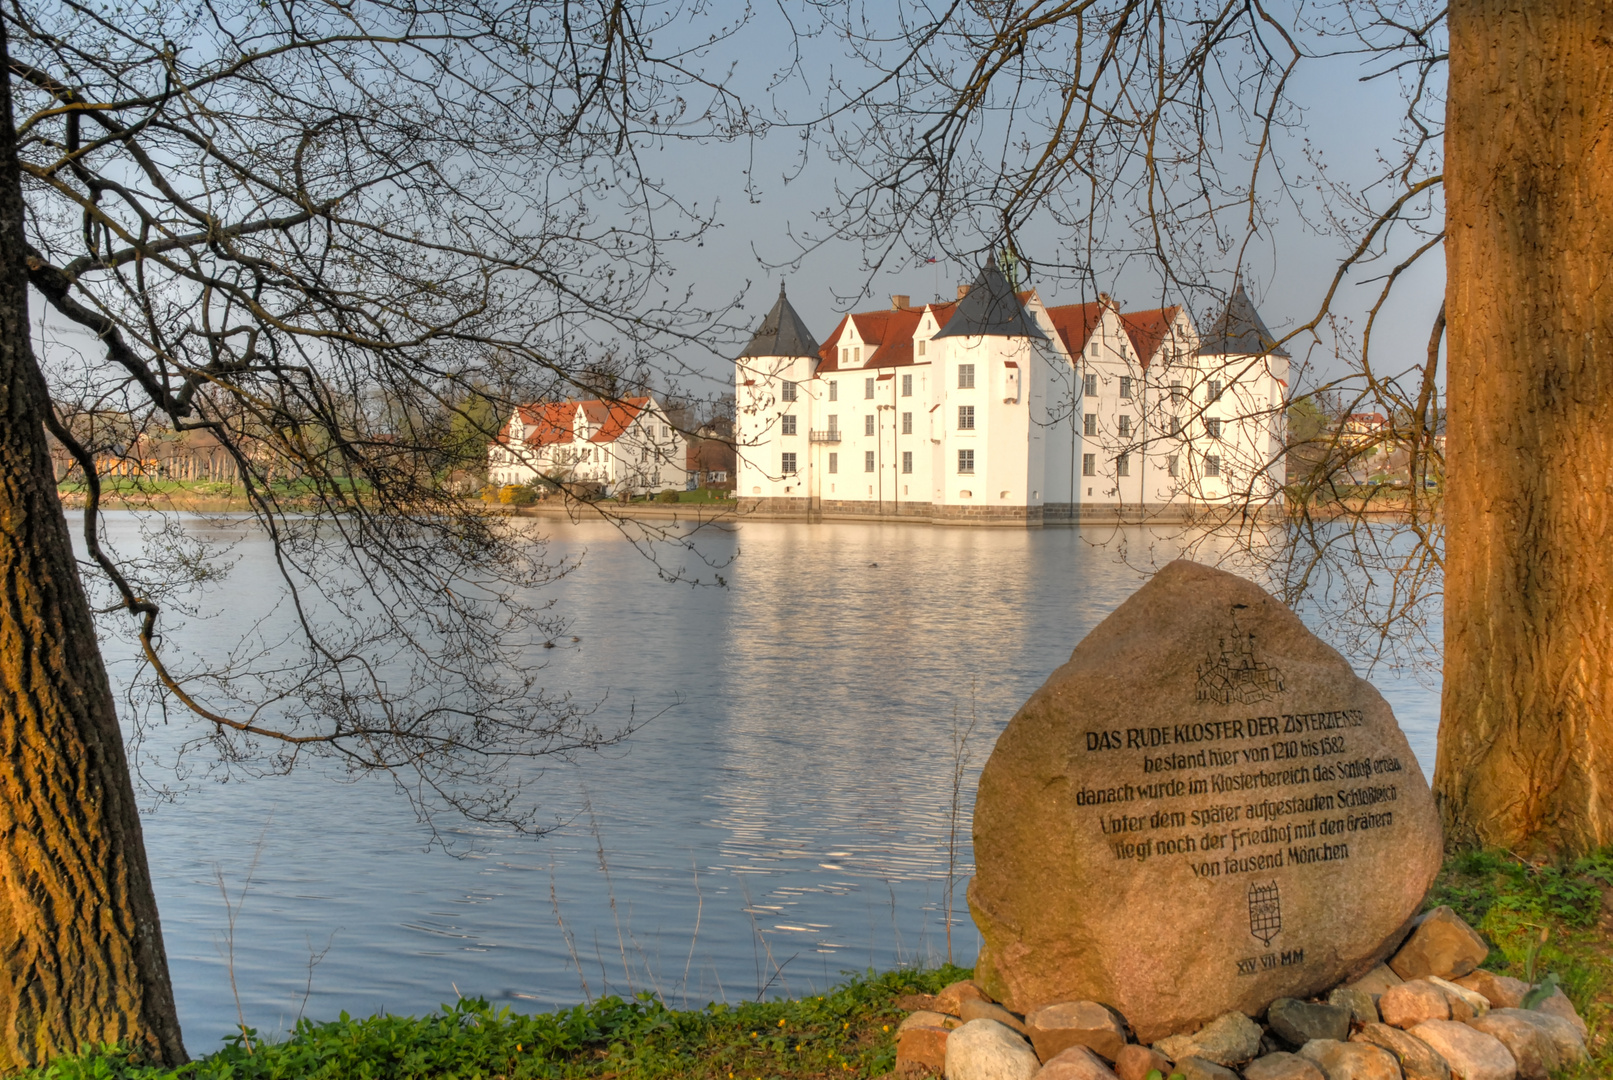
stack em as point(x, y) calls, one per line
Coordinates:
point(922, 343)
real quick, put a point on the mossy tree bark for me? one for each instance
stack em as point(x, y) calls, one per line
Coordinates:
point(81, 951)
point(1526, 738)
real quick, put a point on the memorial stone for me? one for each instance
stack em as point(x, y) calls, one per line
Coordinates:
point(1204, 810)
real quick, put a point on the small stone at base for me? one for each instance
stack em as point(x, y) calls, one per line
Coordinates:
point(1471, 1054)
point(1298, 1022)
point(1351, 1061)
point(1230, 1039)
point(1076, 1063)
point(1196, 1068)
point(975, 1009)
point(1135, 1062)
point(986, 1050)
point(1363, 1010)
point(1443, 945)
point(1282, 1066)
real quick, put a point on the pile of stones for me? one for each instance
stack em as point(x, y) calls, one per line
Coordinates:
point(1430, 1013)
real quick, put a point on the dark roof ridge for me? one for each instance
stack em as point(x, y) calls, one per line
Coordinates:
point(782, 333)
point(1240, 331)
point(991, 308)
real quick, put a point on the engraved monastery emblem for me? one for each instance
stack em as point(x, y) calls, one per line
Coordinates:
point(1234, 672)
point(1265, 912)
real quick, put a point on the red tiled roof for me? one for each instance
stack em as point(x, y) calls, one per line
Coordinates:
point(547, 423)
point(890, 332)
point(1075, 323)
point(550, 423)
point(1148, 330)
point(612, 417)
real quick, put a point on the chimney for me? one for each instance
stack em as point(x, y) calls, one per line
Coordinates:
point(963, 290)
point(900, 301)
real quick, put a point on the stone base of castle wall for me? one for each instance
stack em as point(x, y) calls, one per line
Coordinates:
point(1026, 517)
point(864, 508)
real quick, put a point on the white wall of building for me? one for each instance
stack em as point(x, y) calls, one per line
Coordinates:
point(1032, 434)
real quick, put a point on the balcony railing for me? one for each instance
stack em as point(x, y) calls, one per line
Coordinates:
point(832, 435)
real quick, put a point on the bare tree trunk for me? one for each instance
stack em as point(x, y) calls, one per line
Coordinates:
point(81, 951)
point(1526, 734)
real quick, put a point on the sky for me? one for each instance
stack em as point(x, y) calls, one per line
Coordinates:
point(764, 197)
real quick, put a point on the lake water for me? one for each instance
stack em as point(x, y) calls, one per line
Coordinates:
point(784, 819)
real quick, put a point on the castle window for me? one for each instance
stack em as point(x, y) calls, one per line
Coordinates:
point(868, 461)
point(1089, 385)
point(966, 461)
point(834, 390)
point(1089, 424)
point(1123, 465)
point(966, 376)
point(1125, 427)
point(966, 417)
point(907, 461)
point(1212, 465)
point(907, 423)
point(787, 392)
point(868, 424)
point(1125, 388)
point(834, 463)
point(868, 388)
point(1089, 464)
point(907, 383)
point(786, 425)
point(788, 466)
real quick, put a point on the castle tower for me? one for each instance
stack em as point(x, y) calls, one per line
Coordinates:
point(773, 409)
point(990, 369)
point(1244, 394)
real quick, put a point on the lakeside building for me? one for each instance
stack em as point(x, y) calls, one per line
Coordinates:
point(626, 446)
point(997, 409)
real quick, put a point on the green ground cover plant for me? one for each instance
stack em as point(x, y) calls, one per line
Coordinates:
point(1543, 921)
point(848, 1031)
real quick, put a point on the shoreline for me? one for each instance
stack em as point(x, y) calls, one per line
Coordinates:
point(737, 511)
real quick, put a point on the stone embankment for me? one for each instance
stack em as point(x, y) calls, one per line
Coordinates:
point(1430, 1013)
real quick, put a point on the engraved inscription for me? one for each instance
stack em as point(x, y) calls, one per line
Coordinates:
point(1234, 673)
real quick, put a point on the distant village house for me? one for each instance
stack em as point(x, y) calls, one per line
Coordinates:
point(627, 446)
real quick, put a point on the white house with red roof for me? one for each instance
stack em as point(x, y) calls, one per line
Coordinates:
point(997, 409)
point(622, 446)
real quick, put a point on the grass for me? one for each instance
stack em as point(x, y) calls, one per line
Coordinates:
point(143, 490)
point(699, 495)
point(847, 1032)
point(1544, 919)
point(1540, 919)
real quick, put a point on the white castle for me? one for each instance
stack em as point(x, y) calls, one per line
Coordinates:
point(999, 410)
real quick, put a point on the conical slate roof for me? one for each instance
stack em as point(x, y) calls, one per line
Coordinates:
point(1239, 331)
point(782, 333)
point(990, 307)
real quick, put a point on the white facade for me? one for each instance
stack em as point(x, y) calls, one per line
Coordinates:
point(1080, 411)
point(625, 446)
